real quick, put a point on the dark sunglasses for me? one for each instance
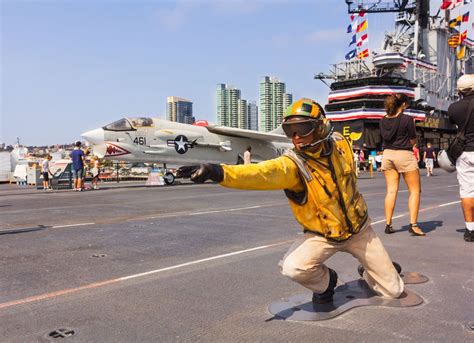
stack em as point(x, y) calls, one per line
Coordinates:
point(301, 128)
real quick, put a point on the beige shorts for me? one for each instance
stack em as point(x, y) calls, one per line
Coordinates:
point(465, 169)
point(400, 160)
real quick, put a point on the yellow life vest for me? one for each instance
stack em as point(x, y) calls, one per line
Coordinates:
point(331, 205)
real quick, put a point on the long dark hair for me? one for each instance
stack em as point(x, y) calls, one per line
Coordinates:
point(393, 103)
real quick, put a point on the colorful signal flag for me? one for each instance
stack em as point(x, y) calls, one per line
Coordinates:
point(461, 52)
point(363, 54)
point(362, 26)
point(456, 3)
point(445, 5)
point(453, 41)
point(351, 54)
point(362, 40)
point(455, 22)
point(352, 27)
point(459, 19)
point(353, 40)
point(450, 4)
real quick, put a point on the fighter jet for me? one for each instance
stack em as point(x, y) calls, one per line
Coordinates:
point(156, 140)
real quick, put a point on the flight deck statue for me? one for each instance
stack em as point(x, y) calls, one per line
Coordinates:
point(318, 177)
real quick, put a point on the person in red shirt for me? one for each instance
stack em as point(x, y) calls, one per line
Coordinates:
point(416, 152)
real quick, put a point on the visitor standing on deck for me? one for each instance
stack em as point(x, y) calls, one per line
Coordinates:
point(458, 114)
point(399, 137)
point(77, 168)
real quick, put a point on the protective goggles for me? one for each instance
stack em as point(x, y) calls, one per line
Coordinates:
point(302, 128)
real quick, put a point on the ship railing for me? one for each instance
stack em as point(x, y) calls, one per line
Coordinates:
point(350, 70)
point(404, 17)
point(434, 82)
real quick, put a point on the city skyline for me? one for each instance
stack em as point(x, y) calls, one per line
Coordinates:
point(70, 67)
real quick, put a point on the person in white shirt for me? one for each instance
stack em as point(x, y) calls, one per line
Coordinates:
point(378, 160)
point(95, 171)
point(247, 155)
point(45, 172)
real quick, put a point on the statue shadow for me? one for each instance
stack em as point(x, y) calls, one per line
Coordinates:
point(424, 226)
point(24, 230)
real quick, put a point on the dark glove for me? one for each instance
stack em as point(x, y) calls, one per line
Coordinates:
point(201, 173)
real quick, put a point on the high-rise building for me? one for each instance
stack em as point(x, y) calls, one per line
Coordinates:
point(242, 115)
point(273, 103)
point(179, 110)
point(231, 110)
point(287, 101)
point(252, 116)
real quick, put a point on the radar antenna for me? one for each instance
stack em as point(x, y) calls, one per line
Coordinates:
point(380, 6)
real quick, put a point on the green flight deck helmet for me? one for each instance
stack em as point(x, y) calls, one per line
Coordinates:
point(305, 117)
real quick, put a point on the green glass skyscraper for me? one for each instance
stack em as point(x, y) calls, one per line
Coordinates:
point(273, 103)
point(231, 110)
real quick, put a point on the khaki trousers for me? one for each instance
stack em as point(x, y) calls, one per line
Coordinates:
point(304, 262)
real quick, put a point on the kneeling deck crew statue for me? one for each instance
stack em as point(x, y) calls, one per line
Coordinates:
point(318, 177)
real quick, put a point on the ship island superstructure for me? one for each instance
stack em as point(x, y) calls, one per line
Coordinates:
point(415, 60)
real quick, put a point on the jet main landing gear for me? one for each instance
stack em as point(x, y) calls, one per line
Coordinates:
point(169, 178)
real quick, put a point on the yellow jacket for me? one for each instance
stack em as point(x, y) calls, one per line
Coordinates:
point(330, 207)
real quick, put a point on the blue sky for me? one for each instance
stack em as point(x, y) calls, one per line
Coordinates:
point(70, 66)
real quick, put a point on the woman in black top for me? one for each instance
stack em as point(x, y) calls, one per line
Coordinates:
point(399, 136)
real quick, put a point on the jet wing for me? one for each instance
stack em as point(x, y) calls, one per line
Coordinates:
point(273, 136)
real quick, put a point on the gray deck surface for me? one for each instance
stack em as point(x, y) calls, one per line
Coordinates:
point(50, 279)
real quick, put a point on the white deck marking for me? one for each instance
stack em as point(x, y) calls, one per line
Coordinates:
point(450, 203)
point(185, 214)
point(395, 217)
point(203, 260)
point(70, 225)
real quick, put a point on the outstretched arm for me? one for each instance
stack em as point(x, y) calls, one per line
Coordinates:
point(279, 173)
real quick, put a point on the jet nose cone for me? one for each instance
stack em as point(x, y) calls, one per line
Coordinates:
point(94, 136)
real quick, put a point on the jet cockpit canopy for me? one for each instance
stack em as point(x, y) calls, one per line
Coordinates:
point(141, 122)
point(129, 124)
point(119, 125)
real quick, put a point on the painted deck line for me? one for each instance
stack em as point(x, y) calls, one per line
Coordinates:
point(71, 225)
point(186, 214)
point(203, 260)
point(56, 294)
point(450, 203)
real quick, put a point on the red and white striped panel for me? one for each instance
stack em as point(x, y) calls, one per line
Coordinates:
point(368, 113)
point(369, 91)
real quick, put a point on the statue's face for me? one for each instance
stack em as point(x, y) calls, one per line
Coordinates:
point(298, 141)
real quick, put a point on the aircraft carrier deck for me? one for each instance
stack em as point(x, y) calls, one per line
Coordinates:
point(198, 263)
